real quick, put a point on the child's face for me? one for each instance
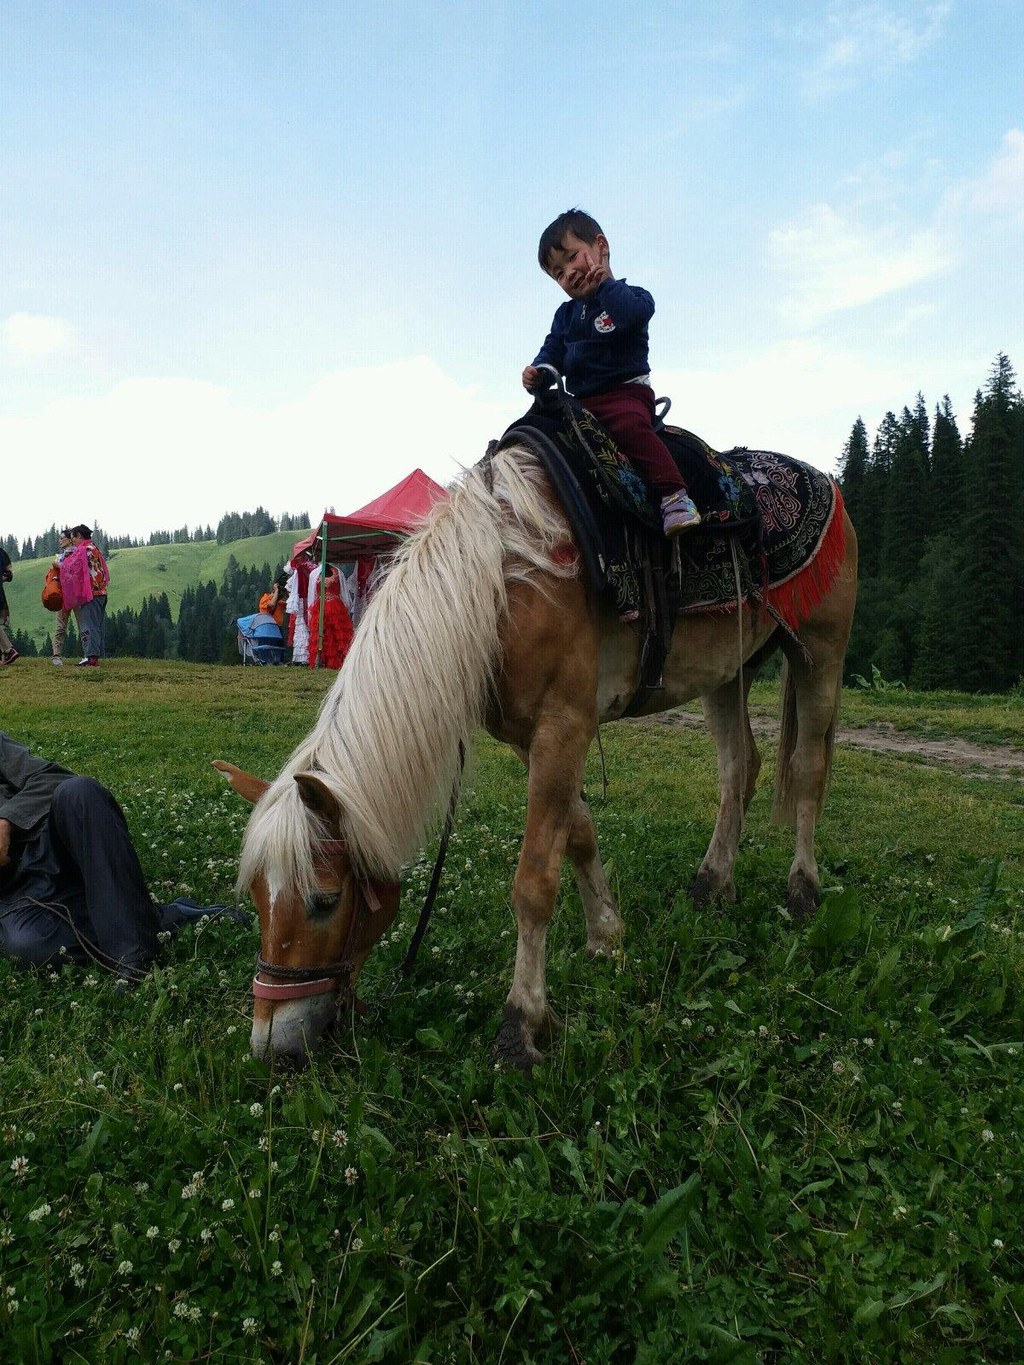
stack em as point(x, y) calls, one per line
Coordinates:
point(571, 263)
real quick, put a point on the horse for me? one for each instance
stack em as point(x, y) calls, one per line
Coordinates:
point(484, 620)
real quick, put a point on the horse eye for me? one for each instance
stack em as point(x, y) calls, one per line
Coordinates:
point(322, 904)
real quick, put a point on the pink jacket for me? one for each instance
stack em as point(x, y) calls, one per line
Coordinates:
point(75, 580)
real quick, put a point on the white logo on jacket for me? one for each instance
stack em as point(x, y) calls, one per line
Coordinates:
point(603, 323)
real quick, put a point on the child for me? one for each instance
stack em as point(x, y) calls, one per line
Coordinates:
point(599, 342)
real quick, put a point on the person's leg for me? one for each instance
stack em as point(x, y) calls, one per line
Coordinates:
point(33, 935)
point(628, 414)
point(91, 834)
point(90, 624)
point(59, 634)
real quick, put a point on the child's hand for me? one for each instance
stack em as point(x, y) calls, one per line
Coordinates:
point(532, 377)
point(596, 275)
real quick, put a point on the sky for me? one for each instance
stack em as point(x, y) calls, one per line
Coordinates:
point(281, 253)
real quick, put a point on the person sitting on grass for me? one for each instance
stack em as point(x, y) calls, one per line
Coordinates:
point(599, 342)
point(71, 885)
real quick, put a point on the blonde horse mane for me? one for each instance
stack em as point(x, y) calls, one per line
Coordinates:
point(415, 683)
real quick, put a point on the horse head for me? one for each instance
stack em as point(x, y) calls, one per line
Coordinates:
point(313, 941)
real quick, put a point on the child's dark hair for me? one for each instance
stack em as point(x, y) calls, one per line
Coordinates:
point(577, 222)
point(82, 530)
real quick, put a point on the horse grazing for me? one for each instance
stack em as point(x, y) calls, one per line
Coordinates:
point(484, 621)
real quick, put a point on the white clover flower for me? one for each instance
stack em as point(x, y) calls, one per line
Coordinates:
point(762, 1031)
point(249, 1326)
point(256, 1109)
point(350, 1175)
point(273, 1235)
point(141, 1186)
point(19, 1165)
point(180, 1309)
point(230, 1030)
point(125, 1268)
point(997, 1242)
point(264, 1143)
point(275, 1090)
point(173, 1245)
point(226, 1204)
point(987, 1135)
point(838, 1067)
point(38, 1213)
point(207, 1234)
point(919, 1061)
point(152, 1231)
point(13, 1305)
point(178, 1087)
point(97, 1076)
point(357, 1244)
point(132, 1336)
point(276, 1267)
point(339, 1137)
point(255, 1193)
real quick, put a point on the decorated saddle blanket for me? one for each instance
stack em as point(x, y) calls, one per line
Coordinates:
point(783, 517)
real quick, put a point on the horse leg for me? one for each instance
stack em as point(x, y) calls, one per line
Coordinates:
point(604, 924)
point(810, 695)
point(556, 770)
point(725, 711)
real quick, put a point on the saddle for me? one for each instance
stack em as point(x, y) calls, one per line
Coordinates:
point(764, 519)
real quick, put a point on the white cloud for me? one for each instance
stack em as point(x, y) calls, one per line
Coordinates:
point(29, 336)
point(801, 397)
point(1001, 188)
point(836, 264)
point(154, 454)
point(866, 40)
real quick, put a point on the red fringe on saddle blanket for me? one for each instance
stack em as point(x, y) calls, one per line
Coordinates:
point(797, 596)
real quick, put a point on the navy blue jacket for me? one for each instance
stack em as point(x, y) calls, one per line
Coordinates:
point(600, 341)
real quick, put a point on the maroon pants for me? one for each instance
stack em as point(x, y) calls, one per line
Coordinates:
point(628, 414)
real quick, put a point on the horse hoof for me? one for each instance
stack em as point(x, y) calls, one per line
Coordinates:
point(804, 898)
point(513, 1046)
point(705, 892)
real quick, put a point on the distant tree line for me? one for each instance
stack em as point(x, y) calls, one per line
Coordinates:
point(940, 526)
point(232, 526)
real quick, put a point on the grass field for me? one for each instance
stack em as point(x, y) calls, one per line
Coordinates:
point(750, 1142)
point(147, 572)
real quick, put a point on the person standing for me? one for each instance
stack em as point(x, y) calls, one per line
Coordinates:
point(8, 653)
point(90, 579)
point(64, 548)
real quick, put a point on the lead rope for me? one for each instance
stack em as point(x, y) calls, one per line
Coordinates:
point(741, 717)
point(428, 905)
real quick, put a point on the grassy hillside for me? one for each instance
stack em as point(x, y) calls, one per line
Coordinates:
point(147, 572)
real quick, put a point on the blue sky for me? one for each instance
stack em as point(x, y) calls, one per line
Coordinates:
point(284, 252)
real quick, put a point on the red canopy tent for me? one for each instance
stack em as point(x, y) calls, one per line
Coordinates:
point(378, 526)
point(371, 531)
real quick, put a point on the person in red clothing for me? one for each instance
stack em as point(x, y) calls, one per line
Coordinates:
point(338, 629)
point(599, 342)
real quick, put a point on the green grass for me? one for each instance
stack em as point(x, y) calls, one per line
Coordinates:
point(750, 1142)
point(147, 572)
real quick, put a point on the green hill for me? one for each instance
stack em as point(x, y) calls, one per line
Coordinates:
point(147, 572)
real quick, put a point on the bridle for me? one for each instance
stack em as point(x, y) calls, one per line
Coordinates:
point(298, 983)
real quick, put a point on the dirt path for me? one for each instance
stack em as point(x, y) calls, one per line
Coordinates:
point(973, 760)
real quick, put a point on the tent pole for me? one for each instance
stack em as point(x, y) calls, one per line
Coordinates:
point(323, 586)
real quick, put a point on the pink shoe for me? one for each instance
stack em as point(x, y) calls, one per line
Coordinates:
point(678, 513)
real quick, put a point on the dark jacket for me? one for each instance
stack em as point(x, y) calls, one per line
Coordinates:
point(27, 785)
point(600, 342)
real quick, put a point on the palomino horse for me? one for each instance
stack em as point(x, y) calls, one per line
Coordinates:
point(483, 620)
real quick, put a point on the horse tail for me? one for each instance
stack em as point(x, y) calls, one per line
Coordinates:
point(784, 799)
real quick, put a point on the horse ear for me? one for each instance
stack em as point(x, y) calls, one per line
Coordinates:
point(249, 788)
point(318, 797)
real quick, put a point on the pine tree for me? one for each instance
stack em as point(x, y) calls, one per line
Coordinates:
point(853, 470)
point(988, 620)
point(947, 461)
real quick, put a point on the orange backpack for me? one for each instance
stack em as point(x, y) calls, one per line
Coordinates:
point(53, 598)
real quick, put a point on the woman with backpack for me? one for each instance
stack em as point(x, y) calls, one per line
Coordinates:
point(8, 653)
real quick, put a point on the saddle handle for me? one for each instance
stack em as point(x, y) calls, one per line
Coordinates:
point(550, 393)
point(661, 410)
